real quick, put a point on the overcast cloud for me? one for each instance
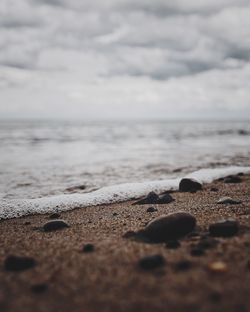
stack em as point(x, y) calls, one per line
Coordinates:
point(124, 58)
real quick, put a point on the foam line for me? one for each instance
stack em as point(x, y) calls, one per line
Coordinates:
point(106, 195)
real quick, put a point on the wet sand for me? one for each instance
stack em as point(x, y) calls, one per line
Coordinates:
point(109, 279)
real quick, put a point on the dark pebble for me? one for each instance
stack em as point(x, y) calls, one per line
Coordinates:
point(215, 296)
point(165, 199)
point(151, 209)
point(27, 223)
point(54, 215)
point(151, 262)
point(16, 263)
point(174, 244)
point(169, 227)
point(115, 214)
point(39, 288)
point(55, 225)
point(88, 248)
point(197, 252)
point(224, 228)
point(152, 198)
point(232, 179)
point(189, 185)
point(214, 189)
point(183, 265)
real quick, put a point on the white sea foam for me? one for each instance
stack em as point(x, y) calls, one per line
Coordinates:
point(106, 195)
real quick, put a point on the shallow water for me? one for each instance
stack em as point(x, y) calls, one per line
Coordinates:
point(48, 157)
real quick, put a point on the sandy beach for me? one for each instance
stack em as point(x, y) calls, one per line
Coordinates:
point(107, 277)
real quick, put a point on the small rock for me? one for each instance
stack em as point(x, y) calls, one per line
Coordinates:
point(152, 209)
point(217, 267)
point(228, 201)
point(173, 244)
point(16, 263)
point(165, 199)
point(54, 215)
point(152, 198)
point(27, 223)
point(88, 248)
point(169, 227)
point(214, 189)
point(232, 179)
point(215, 296)
point(115, 214)
point(39, 288)
point(189, 185)
point(183, 265)
point(55, 225)
point(224, 228)
point(197, 252)
point(151, 262)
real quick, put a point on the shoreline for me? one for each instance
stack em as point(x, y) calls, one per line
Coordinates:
point(109, 279)
point(109, 195)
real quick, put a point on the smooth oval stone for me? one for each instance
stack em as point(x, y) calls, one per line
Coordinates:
point(183, 265)
point(88, 248)
point(169, 227)
point(228, 201)
point(232, 179)
point(151, 262)
point(224, 228)
point(189, 185)
point(55, 225)
point(151, 209)
point(16, 263)
point(165, 199)
point(151, 198)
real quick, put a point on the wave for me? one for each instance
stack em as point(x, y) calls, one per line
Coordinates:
point(107, 195)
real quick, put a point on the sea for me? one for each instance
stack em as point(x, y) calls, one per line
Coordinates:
point(48, 157)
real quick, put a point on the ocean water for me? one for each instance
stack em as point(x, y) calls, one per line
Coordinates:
point(46, 158)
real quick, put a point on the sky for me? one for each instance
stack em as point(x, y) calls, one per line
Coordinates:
point(125, 59)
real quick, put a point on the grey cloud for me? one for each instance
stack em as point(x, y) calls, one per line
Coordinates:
point(159, 39)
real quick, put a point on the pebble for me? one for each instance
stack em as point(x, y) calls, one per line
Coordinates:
point(183, 265)
point(173, 244)
point(215, 296)
point(151, 198)
point(228, 201)
point(224, 228)
point(189, 185)
point(152, 209)
point(165, 199)
point(39, 288)
point(232, 179)
point(217, 267)
point(151, 262)
point(197, 251)
point(16, 263)
point(88, 248)
point(55, 225)
point(214, 189)
point(169, 227)
point(54, 215)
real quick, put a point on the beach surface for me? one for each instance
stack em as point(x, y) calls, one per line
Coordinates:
point(107, 276)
